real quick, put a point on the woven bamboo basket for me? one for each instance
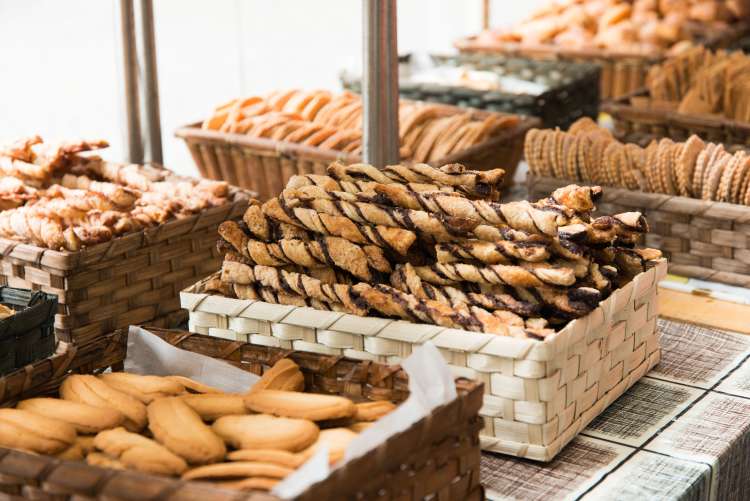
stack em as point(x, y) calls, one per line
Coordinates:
point(29, 334)
point(437, 457)
point(622, 72)
point(638, 121)
point(131, 279)
point(265, 166)
point(701, 239)
point(538, 395)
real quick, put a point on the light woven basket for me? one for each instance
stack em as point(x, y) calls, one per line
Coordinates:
point(538, 395)
point(700, 238)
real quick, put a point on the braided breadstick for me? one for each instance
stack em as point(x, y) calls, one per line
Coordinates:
point(398, 240)
point(476, 184)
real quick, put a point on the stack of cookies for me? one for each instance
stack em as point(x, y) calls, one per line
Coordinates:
point(431, 245)
point(427, 132)
point(175, 426)
point(590, 154)
point(700, 81)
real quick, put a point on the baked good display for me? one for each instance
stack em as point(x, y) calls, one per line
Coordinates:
point(56, 197)
point(701, 81)
point(427, 132)
point(429, 245)
point(693, 168)
point(637, 26)
point(247, 441)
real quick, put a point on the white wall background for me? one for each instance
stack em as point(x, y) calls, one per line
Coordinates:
point(59, 74)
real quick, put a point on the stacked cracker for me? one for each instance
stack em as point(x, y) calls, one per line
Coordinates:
point(175, 426)
point(432, 246)
point(701, 81)
point(320, 119)
point(590, 154)
point(53, 197)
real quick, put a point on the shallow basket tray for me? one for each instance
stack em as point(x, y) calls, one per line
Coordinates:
point(437, 457)
point(538, 395)
point(700, 238)
point(131, 279)
point(265, 165)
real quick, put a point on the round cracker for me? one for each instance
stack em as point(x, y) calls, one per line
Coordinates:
point(686, 164)
point(711, 188)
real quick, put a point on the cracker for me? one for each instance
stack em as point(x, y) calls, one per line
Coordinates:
point(569, 156)
point(700, 167)
point(686, 164)
point(737, 179)
point(716, 170)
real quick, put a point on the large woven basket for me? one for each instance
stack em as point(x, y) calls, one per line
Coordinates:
point(637, 121)
point(538, 395)
point(131, 279)
point(622, 72)
point(265, 166)
point(437, 457)
point(701, 239)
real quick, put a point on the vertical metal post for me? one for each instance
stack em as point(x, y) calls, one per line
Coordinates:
point(485, 14)
point(140, 85)
point(380, 83)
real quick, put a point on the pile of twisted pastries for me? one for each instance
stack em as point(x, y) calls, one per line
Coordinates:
point(427, 132)
point(431, 245)
point(54, 197)
point(175, 426)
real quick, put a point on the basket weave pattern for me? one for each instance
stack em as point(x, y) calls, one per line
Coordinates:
point(539, 395)
point(438, 456)
point(132, 279)
point(701, 238)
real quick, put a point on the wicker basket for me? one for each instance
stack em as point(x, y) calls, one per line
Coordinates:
point(436, 457)
point(131, 279)
point(637, 121)
point(573, 88)
point(265, 166)
point(622, 72)
point(702, 239)
point(29, 334)
point(538, 395)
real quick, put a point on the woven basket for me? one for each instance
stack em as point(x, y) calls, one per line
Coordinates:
point(573, 89)
point(701, 239)
point(29, 334)
point(131, 279)
point(622, 72)
point(437, 457)
point(265, 166)
point(538, 395)
point(636, 121)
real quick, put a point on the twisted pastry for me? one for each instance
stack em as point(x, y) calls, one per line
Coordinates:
point(266, 229)
point(475, 184)
point(121, 196)
point(398, 240)
point(531, 275)
point(327, 183)
point(499, 252)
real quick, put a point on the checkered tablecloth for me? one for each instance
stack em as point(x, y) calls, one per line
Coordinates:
point(681, 433)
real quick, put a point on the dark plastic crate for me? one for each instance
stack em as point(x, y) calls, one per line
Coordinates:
point(29, 334)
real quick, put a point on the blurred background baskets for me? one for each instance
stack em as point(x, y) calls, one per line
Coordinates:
point(28, 334)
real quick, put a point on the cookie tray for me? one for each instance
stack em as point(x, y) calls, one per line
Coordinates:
point(538, 395)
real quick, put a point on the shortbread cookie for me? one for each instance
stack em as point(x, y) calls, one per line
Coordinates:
point(372, 411)
point(21, 429)
point(104, 461)
point(72, 453)
point(211, 407)
point(139, 453)
point(84, 418)
point(238, 469)
point(193, 386)
point(86, 443)
point(261, 431)
point(181, 430)
point(249, 484)
point(144, 388)
point(275, 456)
point(337, 440)
point(90, 390)
point(284, 375)
point(293, 404)
point(360, 427)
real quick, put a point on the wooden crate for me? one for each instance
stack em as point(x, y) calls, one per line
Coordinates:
point(538, 394)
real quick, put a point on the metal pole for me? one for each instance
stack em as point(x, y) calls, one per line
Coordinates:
point(380, 83)
point(485, 14)
point(141, 105)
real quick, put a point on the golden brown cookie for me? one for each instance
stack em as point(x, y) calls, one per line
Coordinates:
point(84, 418)
point(313, 406)
point(90, 390)
point(337, 440)
point(372, 411)
point(262, 431)
point(193, 386)
point(139, 453)
point(701, 164)
point(212, 407)
point(360, 427)
point(711, 186)
point(284, 375)
point(275, 456)
point(72, 453)
point(86, 443)
point(181, 430)
point(686, 163)
point(237, 469)
point(249, 484)
point(21, 429)
point(104, 461)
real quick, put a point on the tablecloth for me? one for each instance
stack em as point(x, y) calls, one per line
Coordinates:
point(681, 433)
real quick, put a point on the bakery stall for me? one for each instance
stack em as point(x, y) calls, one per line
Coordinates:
point(434, 290)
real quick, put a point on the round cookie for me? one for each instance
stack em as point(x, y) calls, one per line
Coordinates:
point(262, 431)
point(686, 162)
point(710, 189)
